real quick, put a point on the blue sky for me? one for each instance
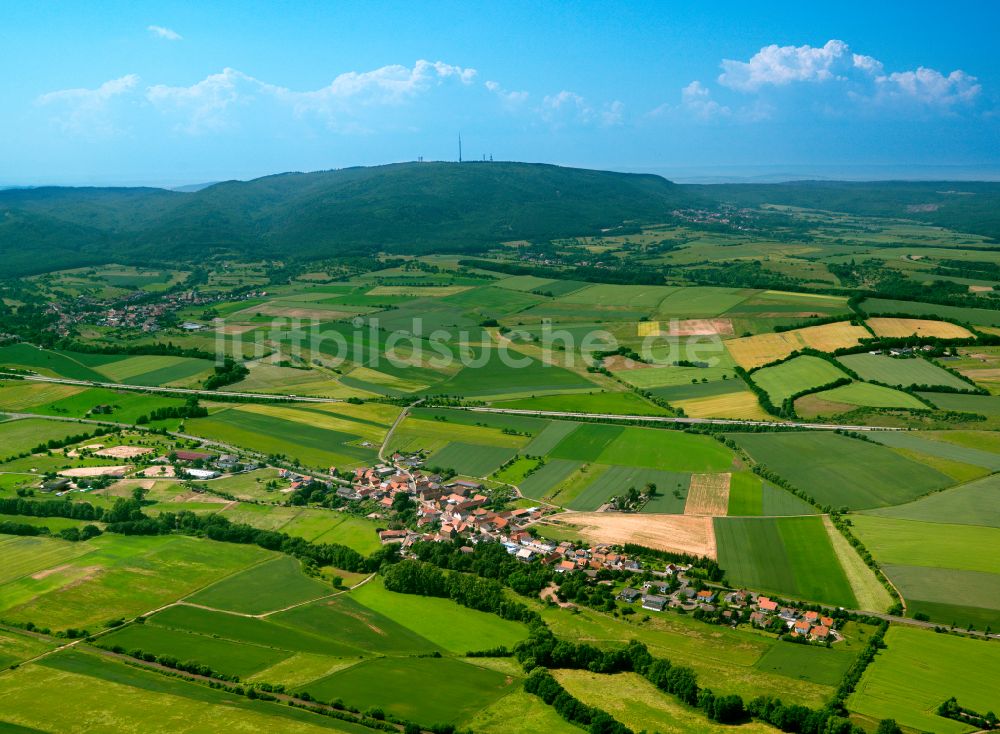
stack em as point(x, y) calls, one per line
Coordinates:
point(169, 93)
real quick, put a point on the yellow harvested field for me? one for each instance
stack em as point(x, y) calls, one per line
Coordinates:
point(18, 396)
point(892, 327)
point(708, 495)
point(675, 533)
point(868, 590)
point(686, 327)
point(754, 351)
point(742, 405)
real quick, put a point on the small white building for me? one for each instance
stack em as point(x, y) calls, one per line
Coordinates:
point(201, 473)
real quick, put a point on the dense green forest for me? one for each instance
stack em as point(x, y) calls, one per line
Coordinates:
point(417, 208)
point(408, 208)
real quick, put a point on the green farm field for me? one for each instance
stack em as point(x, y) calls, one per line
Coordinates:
point(651, 448)
point(234, 658)
point(842, 471)
point(791, 557)
point(987, 405)
point(615, 480)
point(902, 372)
point(798, 374)
point(915, 442)
point(267, 632)
point(452, 627)
point(724, 656)
point(949, 572)
point(472, 460)
point(815, 664)
point(16, 647)
point(428, 690)
point(638, 704)
point(935, 545)
point(159, 370)
point(17, 436)
point(981, 316)
point(98, 693)
point(750, 496)
point(324, 526)
point(868, 395)
point(560, 481)
point(62, 584)
point(347, 622)
point(918, 670)
point(621, 403)
point(271, 585)
point(298, 434)
point(55, 363)
point(974, 503)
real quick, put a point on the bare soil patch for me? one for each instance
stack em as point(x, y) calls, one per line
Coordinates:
point(708, 495)
point(162, 471)
point(124, 452)
point(678, 533)
point(699, 327)
point(95, 471)
point(549, 594)
point(621, 363)
point(811, 406)
point(49, 571)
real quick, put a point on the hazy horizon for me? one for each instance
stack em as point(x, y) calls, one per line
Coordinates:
point(776, 173)
point(174, 94)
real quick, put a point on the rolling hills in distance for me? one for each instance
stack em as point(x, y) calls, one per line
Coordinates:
point(415, 208)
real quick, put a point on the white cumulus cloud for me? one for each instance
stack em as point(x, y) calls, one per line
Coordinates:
point(856, 77)
point(696, 98)
point(206, 105)
point(166, 34)
point(928, 86)
point(566, 107)
point(780, 65)
point(83, 110)
point(509, 98)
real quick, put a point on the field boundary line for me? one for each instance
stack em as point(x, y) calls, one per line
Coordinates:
point(364, 581)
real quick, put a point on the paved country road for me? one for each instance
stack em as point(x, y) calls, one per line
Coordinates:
point(685, 421)
point(179, 390)
point(510, 411)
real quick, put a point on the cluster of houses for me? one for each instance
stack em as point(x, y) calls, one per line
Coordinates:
point(902, 351)
point(809, 624)
point(444, 509)
point(449, 509)
point(655, 596)
point(297, 480)
point(132, 312)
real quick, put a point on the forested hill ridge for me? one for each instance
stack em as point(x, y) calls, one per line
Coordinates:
point(416, 208)
point(406, 208)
